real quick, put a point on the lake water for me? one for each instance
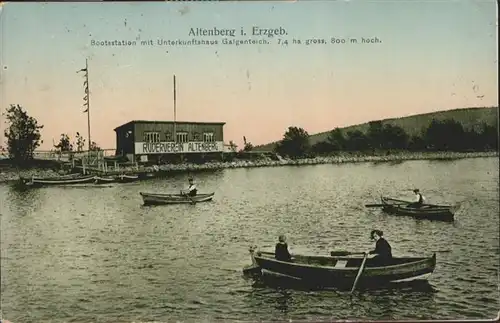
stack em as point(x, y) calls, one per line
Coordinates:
point(96, 254)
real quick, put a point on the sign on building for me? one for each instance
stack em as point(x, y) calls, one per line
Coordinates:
point(149, 148)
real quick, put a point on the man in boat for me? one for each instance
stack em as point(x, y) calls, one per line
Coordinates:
point(419, 199)
point(383, 250)
point(192, 190)
point(281, 250)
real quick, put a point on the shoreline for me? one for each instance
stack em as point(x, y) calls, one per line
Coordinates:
point(11, 174)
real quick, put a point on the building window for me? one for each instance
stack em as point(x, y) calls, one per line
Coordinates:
point(168, 136)
point(151, 137)
point(182, 137)
point(196, 136)
point(208, 137)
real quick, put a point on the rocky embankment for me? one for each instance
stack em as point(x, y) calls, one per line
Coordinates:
point(11, 174)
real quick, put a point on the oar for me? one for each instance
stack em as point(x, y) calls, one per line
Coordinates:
point(382, 205)
point(344, 253)
point(348, 253)
point(188, 197)
point(359, 272)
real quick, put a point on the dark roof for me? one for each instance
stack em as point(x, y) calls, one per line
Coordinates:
point(169, 122)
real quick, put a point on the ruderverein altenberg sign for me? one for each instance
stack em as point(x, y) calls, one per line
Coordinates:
point(149, 148)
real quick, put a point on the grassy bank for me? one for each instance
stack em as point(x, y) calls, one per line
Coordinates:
point(10, 173)
point(469, 118)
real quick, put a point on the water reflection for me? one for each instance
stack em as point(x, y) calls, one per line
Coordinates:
point(22, 201)
point(285, 283)
point(283, 300)
point(289, 296)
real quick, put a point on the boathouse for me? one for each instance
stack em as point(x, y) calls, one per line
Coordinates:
point(169, 142)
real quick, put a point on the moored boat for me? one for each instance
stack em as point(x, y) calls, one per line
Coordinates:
point(60, 177)
point(38, 182)
point(426, 211)
point(341, 271)
point(160, 199)
point(124, 178)
point(116, 179)
point(104, 180)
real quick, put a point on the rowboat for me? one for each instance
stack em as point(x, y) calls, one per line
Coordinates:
point(159, 199)
point(104, 180)
point(127, 178)
point(341, 271)
point(60, 177)
point(34, 182)
point(426, 211)
point(116, 179)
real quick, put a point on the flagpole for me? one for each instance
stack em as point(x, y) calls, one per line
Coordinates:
point(175, 113)
point(88, 99)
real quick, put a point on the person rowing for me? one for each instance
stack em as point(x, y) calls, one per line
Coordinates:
point(191, 190)
point(419, 199)
point(383, 250)
point(281, 250)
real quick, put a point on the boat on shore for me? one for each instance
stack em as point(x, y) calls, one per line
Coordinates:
point(342, 271)
point(426, 211)
point(162, 199)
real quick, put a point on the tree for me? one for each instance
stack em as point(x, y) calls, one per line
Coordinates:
point(80, 142)
point(64, 144)
point(376, 134)
point(247, 146)
point(445, 135)
point(295, 143)
point(336, 139)
point(322, 148)
point(394, 137)
point(232, 146)
point(23, 134)
point(416, 143)
point(489, 137)
point(357, 141)
point(94, 146)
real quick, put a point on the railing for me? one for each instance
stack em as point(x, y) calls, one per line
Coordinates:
point(70, 155)
point(92, 155)
point(230, 148)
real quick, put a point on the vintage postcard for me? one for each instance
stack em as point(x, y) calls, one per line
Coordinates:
point(206, 161)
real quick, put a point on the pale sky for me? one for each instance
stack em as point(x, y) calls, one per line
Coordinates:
point(434, 55)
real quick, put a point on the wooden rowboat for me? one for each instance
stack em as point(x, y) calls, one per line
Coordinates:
point(68, 176)
point(127, 178)
point(34, 182)
point(341, 271)
point(116, 179)
point(59, 177)
point(104, 180)
point(159, 199)
point(426, 211)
